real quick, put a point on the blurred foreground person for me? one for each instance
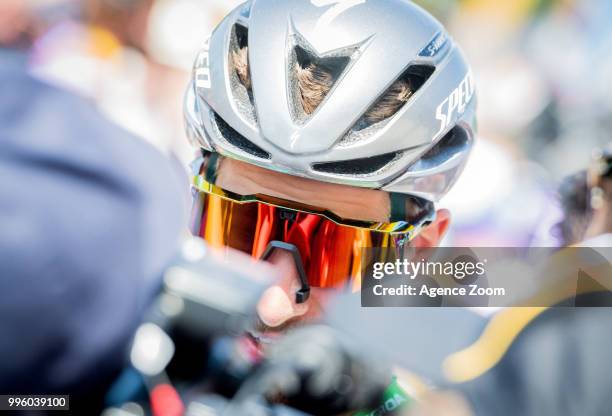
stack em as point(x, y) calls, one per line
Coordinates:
point(89, 218)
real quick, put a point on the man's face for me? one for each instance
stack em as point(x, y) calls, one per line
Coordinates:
point(277, 308)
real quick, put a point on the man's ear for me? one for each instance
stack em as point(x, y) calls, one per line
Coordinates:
point(432, 235)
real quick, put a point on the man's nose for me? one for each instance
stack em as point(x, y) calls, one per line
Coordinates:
point(277, 304)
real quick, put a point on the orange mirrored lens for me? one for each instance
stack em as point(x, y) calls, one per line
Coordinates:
point(332, 254)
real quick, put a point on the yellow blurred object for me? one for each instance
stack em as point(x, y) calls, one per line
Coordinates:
point(512, 11)
point(103, 43)
point(490, 348)
point(558, 285)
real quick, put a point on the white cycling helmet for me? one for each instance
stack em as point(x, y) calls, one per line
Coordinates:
point(367, 46)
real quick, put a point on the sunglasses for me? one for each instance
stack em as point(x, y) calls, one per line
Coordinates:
point(329, 250)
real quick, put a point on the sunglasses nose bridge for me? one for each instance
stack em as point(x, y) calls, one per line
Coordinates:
point(303, 293)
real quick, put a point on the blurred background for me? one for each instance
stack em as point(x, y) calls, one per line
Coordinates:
point(543, 70)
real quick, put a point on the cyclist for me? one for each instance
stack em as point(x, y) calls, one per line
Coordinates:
point(326, 127)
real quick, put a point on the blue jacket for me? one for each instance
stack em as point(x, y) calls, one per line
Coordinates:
point(89, 217)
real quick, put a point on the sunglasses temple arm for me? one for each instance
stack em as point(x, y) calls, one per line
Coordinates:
point(303, 293)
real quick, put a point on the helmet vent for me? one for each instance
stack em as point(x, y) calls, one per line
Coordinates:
point(312, 78)
point(453, 143)
point(237, 140)
point(365, 166)
point(396, 96)
point(388, 104)
point(240, 73)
